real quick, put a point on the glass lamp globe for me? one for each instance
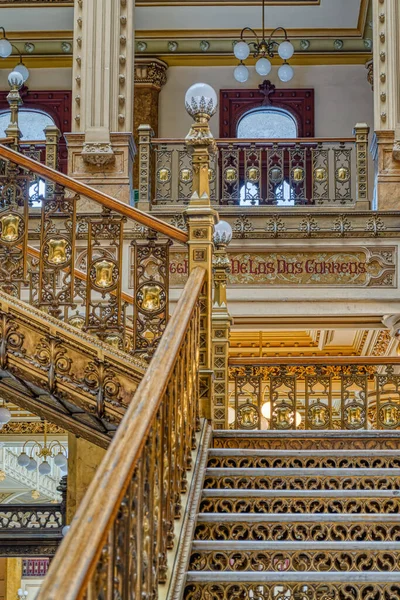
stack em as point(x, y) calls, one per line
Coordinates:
point(263, 66)
point(222, 233)
point(44, 468)
point(60, 460)
point(286, 50)
point(23, 459)
point(241, 50)
point(21, 68)
point(5, 415)
point(241, 73)
point(298, 419)
point(32, 464)
point(266, 410)
point(231, 415)
point(15, 79)
point(201, 98)
point(285, 73)
point(5, 48)
point(65, 530)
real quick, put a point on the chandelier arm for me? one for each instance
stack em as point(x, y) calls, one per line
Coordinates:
point(19, 52)
point(4, 33)
point(253, 32)
point(35, 443)
point(55, 444)
point(271, 41)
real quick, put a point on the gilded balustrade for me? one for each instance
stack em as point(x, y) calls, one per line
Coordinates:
point(75, 267)
point(283, 172)
point(315, 394)
point(124, 527)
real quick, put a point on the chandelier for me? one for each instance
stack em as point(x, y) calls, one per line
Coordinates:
point(54, 449)
point(6, 48)
point(263, 50)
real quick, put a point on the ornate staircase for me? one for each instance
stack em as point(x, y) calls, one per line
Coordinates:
point(298, 515)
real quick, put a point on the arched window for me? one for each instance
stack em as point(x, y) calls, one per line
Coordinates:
point(267, 123)
point(31, 123)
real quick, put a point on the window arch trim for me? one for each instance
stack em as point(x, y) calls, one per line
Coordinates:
point(273, 110)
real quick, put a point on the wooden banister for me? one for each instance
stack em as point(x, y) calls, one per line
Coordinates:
point(100, 506)
point(95, 195)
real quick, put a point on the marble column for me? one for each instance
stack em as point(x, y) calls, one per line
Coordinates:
point(101, 146)
point(386, 68)
point(83, 461)
point(150, 76)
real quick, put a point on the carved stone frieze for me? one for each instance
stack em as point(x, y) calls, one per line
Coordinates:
point(30, 428)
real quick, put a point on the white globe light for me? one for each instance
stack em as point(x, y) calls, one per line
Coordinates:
point(32, 464)
point(231, 415)
point(201, 98)
point(266, 410)
point(65, 530)
point(44, 468)
point(21, 68)
point(5, 415)
point(241, 73)
point(241, 50)
point(285, 73)
point(23, 459)
point(299, 419)
point(15, 79)
point(5, 48)
point(222, 233)
point(60, 460)
point(263, 66)
point(286, 50)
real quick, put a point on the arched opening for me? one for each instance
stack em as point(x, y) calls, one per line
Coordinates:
point(267, 123)
point(31, 123)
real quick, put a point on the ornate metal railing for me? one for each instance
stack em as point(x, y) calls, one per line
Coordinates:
point(319, 393)
point(32, 529)
point(293, 172)
point(61, 250)
point(124, 526)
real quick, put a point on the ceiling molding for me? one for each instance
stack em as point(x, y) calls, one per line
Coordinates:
point(188, 34)
point(36, 3)
point(226, 3)
point(315, 59)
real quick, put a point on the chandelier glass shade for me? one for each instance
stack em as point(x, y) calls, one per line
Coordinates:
point(6, 48)
point(263, 50)
point(54, 450)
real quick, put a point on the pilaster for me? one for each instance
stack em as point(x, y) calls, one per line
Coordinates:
point(13, 576)
point(100, 147)
point(150, 76)
point(83, 460)
point(386, 67)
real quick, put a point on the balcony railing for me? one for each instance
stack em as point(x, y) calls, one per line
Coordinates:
point(310, 394)
point(283, 172)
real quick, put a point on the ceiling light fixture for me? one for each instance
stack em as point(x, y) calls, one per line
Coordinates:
point(263, 50)
point(5, 51)
point(54, 450)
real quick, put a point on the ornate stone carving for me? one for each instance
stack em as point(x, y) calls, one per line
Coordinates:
point(370, 72)
point(98, 153)
point(150, 72)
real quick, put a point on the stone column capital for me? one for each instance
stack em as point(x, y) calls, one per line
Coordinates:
point(150, 72)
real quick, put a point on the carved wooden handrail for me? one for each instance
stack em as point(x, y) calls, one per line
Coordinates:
point(101, 513)
point(95, 195)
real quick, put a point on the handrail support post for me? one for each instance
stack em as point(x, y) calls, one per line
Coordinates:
point(361, 131)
